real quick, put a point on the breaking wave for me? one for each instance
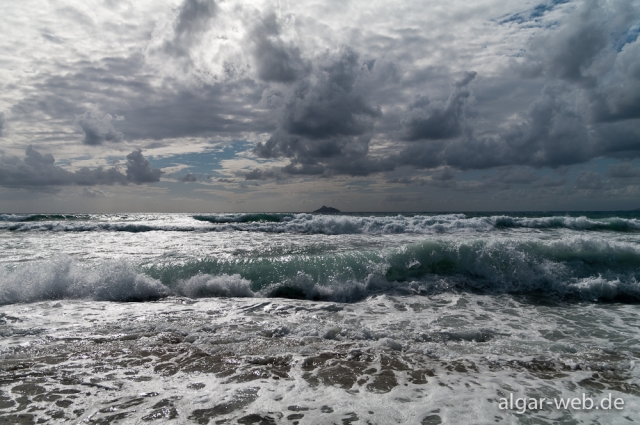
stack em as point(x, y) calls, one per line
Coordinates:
point(589, 269)
point(62, 278)
point(316, 224)
point(575, 223)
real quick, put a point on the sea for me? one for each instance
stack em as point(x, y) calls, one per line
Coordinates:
point(368, 318)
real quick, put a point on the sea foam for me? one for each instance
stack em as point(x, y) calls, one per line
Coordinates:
point(316, 224)
point(589, 267)
point(63, 278)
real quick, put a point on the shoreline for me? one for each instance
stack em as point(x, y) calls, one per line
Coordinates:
point(239, 360)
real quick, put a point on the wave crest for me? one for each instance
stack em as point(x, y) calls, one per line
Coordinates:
point(205, 285)
point(317, 224)
point(62, 278)
point(586, 268)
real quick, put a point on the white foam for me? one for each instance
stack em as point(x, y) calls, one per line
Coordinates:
point(204, 285)
point(62, 278)
point(600, 288)
point(468, 369)
point(13, 217)
point(322, 224)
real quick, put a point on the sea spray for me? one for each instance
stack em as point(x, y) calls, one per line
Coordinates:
point(317, 224)
point(390, 318)
point(589, 268)
point(63, 278)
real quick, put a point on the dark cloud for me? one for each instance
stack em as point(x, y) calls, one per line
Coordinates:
point(219, 109)
point(568, 51)
point(423, 155)
point(619, 98)
point(506, 177)
point(194, 18)
point(589, 180)
point(519, 175)
point(587, 108)
point(551, 134)
point(188, 178)
point(2, 124)
point(123, 87)
point(439, 179)
point(407, 180)
point(444, 174)
point(258, 174)
point(275, 59)
point(554, 132)
point(99, 176)
point(237, 72)
point(139, 169)
point(623, 170)
point(597, 49)
point(326, 123)
point(38, 170)
point(548, 181)
point(98, 129)
point(330, 107)
point(590, 104)
point(393, 199)
point(433, 121)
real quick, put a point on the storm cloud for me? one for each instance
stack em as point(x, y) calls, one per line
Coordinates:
point(194, 17)
point(276, 59)
point(432, 121)
point(326, 123)
point(568, 52)
point(188, 178)
point(98, 129)
point(624, 170)
point(139, 169)
point(438, 95)
point(589, 180)
point(39, 170)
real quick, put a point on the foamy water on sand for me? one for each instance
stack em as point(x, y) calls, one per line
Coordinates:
point(295, 318)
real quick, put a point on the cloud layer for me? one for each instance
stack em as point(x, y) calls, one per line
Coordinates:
point(413, 95)
point(38, 170)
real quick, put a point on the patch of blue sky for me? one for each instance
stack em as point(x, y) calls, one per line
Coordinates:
point(207, 162)
point(628, 37)
point(533, 14)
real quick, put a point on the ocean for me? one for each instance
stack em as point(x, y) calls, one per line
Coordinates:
point(416, 318)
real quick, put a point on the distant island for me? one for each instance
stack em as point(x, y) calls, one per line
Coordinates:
point(326, 210)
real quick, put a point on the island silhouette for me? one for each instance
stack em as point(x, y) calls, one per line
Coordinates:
point(326, 210)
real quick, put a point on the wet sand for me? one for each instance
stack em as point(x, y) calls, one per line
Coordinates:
point(269, 361)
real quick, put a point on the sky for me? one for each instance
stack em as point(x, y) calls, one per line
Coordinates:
point(230, 106)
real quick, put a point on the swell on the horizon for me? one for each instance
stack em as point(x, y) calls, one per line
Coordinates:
point(244, 218)
point(26, 218)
